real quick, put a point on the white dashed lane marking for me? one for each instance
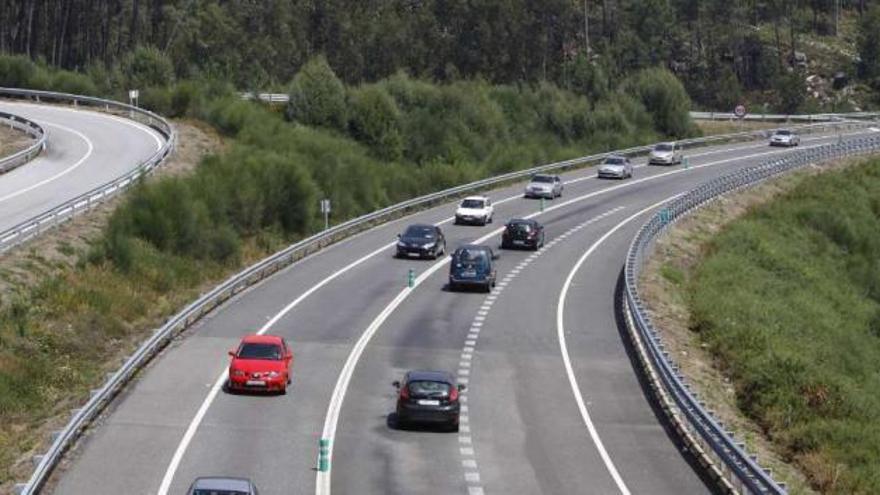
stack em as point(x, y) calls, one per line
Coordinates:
point(468, 461)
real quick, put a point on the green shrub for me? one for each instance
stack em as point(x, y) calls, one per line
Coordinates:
point(665, 99)
point(74, 83)
point(788, 300)
point(375, 121)
point(146, 66)
point(317, 96)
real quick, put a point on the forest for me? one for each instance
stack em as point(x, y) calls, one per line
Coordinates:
point(724, 51)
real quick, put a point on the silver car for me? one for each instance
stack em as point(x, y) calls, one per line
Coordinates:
point(665, 154)
point(544, 186)
point(615, 167)
point(222, 486)
point(785, 137)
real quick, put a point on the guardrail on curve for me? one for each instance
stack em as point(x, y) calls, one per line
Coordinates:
point(84, 202)
point(270, 265)
point(720, 449)
point(27, 126)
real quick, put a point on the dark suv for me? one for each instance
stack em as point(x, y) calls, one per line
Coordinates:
point(421, 240)
point(472, 266)
point(522, 233)
point(428, 397)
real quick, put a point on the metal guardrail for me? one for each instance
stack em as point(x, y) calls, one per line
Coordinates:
point(728, 457)
point(778, 117)
point(100, 398)
point(27, 126)
point(86, 201)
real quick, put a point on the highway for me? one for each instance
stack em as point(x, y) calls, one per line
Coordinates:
point(553, 405)
point(84, 150)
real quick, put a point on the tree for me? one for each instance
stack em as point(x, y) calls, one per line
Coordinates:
point(317, 96)
point(665, 98)
point(375, 121)
point(146, 66)
point(869, 43)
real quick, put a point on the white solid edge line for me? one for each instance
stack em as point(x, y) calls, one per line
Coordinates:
point(322, 479)
point(197, 419)
point(64, 172)
point(90, 110)
point(566, 360)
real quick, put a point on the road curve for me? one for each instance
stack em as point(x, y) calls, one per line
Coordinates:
point(544, 414)
point(84, 150)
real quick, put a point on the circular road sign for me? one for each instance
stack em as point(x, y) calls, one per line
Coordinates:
point(740, 111)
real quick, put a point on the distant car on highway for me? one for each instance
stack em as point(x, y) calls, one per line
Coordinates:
point(522, 233)
point(785, 137)
point(223, 486)
point(427, 396)
point(665, 154)
point(472, 265)
point(615, 167)
point(544, 186)
point(261, 362)
point(475, 210)
point(421, 240)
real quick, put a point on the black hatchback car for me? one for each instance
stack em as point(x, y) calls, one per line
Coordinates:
point(472, 266)
point(421, 241)
point(522, 233)
point(428, 397)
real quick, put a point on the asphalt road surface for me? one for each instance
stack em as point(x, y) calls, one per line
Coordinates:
point(84, 150)
point(553, 406)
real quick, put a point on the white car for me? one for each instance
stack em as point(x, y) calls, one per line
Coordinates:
point(544, 186)
point(615, 167)
point(785, 137)
point(475, 209)
point(665, 154)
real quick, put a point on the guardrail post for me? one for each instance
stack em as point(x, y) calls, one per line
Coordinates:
point(323, 455)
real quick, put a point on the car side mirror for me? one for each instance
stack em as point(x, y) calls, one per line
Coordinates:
point(495, 256)
point(396, 383)
point(231, 353)
point(398, 236)
point(462, 387)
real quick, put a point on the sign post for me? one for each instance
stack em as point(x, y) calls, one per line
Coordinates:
point(325, 209)
point(133, 95)
point(740, 112)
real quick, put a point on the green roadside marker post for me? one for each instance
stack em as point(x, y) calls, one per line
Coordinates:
point(411, 278)
point(542, 203)
point(323, 455)
point(665, 216)
point(687, 163)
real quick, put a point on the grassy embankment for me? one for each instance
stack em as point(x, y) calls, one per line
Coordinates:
point(787, 300)
point(363, 147)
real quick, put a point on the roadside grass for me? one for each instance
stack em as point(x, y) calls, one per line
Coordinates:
point(787, 300)
point(12, 141)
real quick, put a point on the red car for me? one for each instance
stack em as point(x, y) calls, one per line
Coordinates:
point(261, 362)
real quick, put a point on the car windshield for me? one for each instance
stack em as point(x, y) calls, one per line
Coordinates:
point(784, 132)
point(471, 257)
point(429, 389)
point(614, 160)
point(423, 231)
point(472, 203)
point(259, 351)
point(542, 178)
point(663, 147)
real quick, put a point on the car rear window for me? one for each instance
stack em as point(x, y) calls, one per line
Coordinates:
point(783, 132)
point(542, 178)
point(663, 147)
point(259, 351)
point(614, 161)
point(471, 256)
point(429, 389)
point(472, 203)
point(520, 227)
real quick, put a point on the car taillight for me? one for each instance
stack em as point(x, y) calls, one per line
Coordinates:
point(453, 395)
point(404, 393)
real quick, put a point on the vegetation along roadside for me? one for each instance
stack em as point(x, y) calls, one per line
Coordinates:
point(768, 299)
point(364, 147)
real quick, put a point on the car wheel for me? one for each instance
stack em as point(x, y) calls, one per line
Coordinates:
point(453, 427)
point(488, 287)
